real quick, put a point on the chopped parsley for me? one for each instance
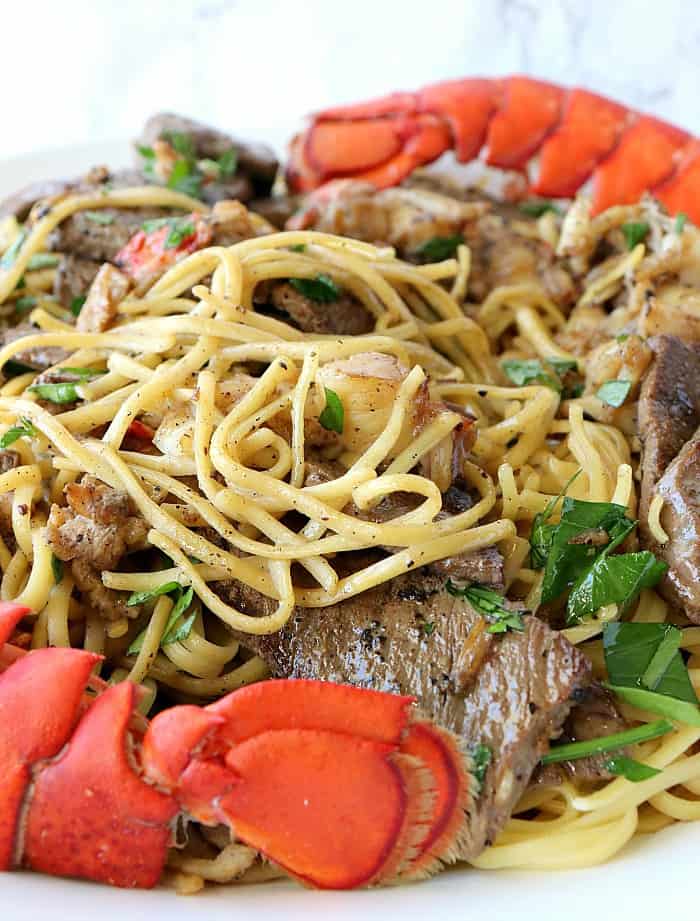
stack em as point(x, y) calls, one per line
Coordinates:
point(321, 289)
point(56, 568)
point(634, 233)
point(437, 249)
point(647, 656)
point(681, 221)
point(614, 393)
point(575, 750)
point(522, 372)
point(481, 759)
point(333, 416)
point(222, 168)
point(99, 217)
point(541, 535)
point(185, 179)
point(614, 579)
point(298, 248)
point(429, 627)
point(180, 229)
point(173, 632)
point(23, 429)
point(64, 392)
point(77, 304)
point(42, 261)
point(491, 605)
point(537, 207)
point(25, 304)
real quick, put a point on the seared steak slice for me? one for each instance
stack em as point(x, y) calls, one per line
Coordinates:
point(408, 636)
point(82, 236)
point(482, 566)
point(257, 164)
point(38, 358)
point(594, 715)
point(680, 518)
point(21, 202)
point(669, 417)
point(669, 409)
point(343, 317)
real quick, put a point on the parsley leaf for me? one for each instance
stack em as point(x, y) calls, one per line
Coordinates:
point(23, 429)
point(227, 163)
point(632, 770)
point(481, 759)
point(297, 247)
point(77, 304)
point(180, 228)
point(437, 249)
point(429, 627)
point(333, 416)
point(614, 393)
point(321, 289)
point(541, 534)
point(681, 221)
point(56, 393)
point(572, 545)
point(562, 365)
point(679, 710)
point(634, 233)
point(537, 207)
point(99, 217)
point(164, 589)
point(56, 568)
point(526, 371)
point(26, 303)
point(614, 580)
point(181, 143)
point(575, 750)
point(491, 605)
point(42, 261)
point(183, 178)
point(632, 649)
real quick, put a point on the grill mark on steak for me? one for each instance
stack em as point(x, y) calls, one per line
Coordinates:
point(517, 700)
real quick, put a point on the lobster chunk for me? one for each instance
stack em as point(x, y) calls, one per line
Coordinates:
point(342, 787)
point(578, 135)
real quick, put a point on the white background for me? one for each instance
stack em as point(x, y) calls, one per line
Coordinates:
point(74, 71)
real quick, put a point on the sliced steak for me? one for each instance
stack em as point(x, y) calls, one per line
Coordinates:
point(482, 566)
point(39, 358)
point(20, 203)
point(669, 421)
point(669, 409)
point(256, 163)
point(594, 715)
point(73, 278)
point(408, 636)
point(679, 488)
point(343, 317)
point(83, 236)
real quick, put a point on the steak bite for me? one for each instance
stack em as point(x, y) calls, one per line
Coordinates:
point(669, 421)
point(409, 636)
point(344, 316)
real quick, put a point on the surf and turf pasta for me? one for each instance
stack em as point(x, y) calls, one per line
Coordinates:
point(414, 440)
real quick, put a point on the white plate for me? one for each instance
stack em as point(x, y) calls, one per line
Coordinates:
point(651, 880)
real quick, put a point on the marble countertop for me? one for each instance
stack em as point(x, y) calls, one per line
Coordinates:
point(76, 72)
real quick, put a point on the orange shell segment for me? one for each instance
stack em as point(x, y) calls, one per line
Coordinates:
point(682, 191)
point(529, 111)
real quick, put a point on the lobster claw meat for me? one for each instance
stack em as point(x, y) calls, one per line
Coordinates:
point(577, 135)
point(340, 786)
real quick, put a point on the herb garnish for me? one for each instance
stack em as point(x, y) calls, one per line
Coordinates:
point(481, 758)
point(491, 605)
point(530, 370)
point(575, 750)
point(172, 633)
point(537, 207)
point(77, 304)
point(42, 261)
point(11, 252)
point(56, 568)
point(297, 247)
point(614, 393)
point(23, 429)
point(99, 217)
point(333, 416)
point(180, 228)
point(437, 249)
point(541, 534)
point(647, 656)
point(321, 289)
point(183, 178)
point(224, 167)
point(65, 391)
point(634, 233)
point(630, 769)
point(681, 221)
point(25, 303)
point(428, 627)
